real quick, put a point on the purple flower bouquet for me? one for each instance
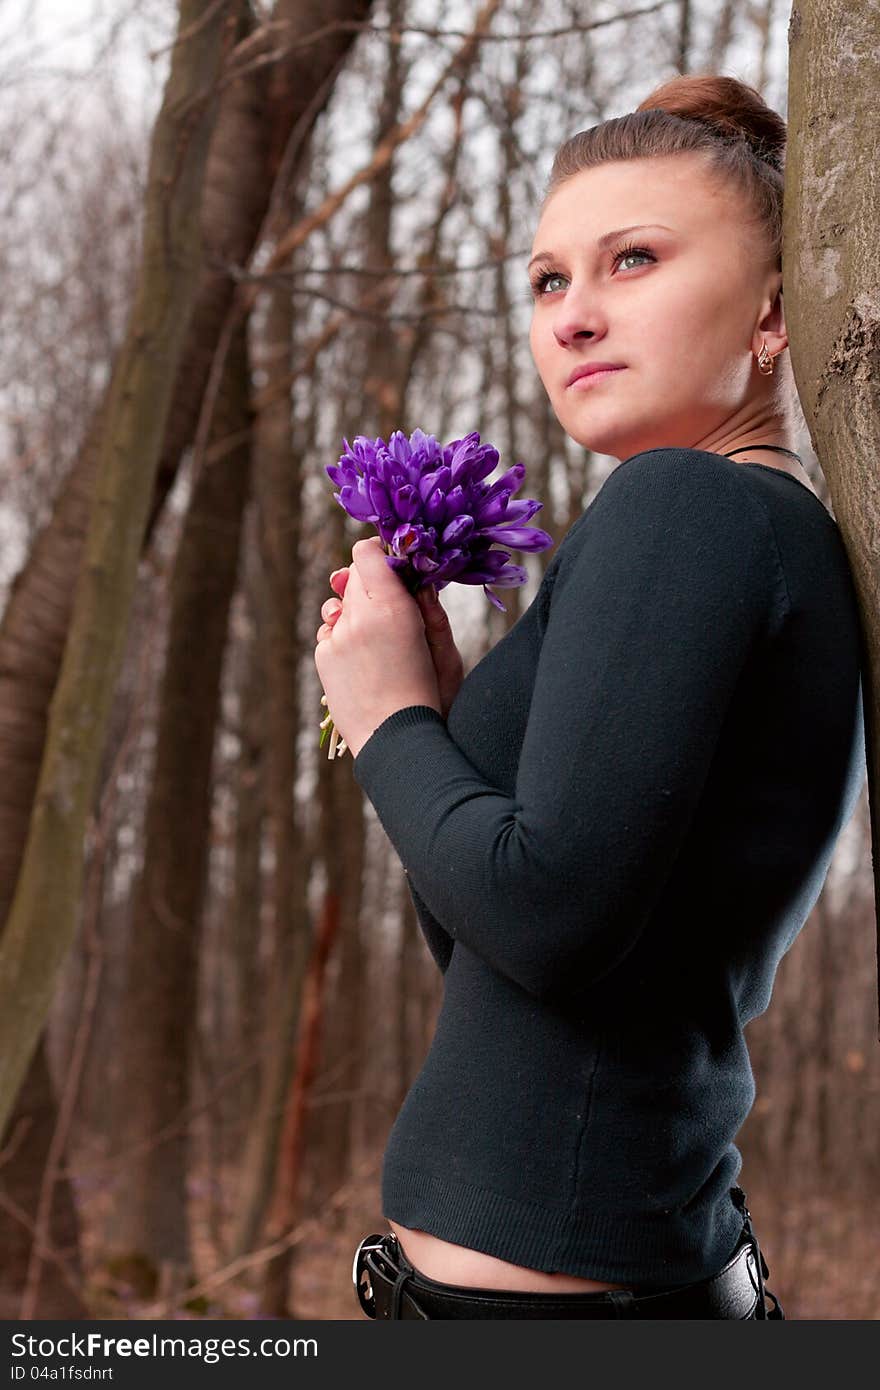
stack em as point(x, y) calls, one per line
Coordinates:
point(436, 515)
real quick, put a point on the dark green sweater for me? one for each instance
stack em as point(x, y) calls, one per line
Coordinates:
point(612, 842)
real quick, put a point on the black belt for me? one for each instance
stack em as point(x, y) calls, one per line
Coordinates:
point(388, 1286)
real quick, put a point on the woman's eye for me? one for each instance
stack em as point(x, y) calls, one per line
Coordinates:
point(540, 283)
point(626, 251)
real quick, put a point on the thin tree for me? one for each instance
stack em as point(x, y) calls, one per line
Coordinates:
point(247, 138)
point(45, 909)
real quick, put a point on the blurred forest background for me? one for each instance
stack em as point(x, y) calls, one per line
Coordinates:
point(242, 997)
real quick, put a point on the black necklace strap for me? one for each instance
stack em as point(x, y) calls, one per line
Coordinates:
point(777, 448)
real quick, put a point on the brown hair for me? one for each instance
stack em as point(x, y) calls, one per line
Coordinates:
point(728, 121)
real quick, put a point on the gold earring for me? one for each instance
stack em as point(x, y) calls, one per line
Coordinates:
point(765, 361)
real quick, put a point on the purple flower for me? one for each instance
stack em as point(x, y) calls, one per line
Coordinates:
point(437, 516)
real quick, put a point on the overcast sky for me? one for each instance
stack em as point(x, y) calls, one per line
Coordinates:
point(50, 46)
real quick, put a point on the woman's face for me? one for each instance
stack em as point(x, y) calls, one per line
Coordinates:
point(685, 314)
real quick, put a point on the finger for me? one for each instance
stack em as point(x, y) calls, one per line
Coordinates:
point(338, 580)
point(370, 565)
point(330, 605)
point(323, 631)
point(355, 588)
point(434, 615)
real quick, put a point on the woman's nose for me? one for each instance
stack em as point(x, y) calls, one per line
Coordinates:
point(575, 312)
point(576, 321)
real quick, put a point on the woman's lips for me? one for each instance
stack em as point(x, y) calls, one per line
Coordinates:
point(592, 377)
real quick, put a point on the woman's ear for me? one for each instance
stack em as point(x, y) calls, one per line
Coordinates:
point(771, 327)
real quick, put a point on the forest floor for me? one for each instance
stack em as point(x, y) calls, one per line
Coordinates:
point(822, 1251)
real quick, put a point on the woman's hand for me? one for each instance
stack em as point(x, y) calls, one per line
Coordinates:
point(448, 665)
point(447, 659)
point(373, 659)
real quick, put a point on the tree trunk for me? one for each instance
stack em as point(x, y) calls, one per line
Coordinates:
point(287, 1200)
point(148, 1220)
point(262, 124)
point(20, 1178)
point(832, 210)
point(241, 926)
point(235, 201)
point(45, 908)
point(278, 487)
point(334, 1128)
point(236, 196)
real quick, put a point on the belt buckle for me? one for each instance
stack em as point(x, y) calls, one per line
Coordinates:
point(365, 1295)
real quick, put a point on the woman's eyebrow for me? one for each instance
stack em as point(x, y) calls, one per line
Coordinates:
point(605, 240)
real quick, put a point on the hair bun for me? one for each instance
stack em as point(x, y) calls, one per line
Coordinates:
point(734, 109)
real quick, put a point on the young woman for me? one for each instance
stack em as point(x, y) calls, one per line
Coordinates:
point(615, 826)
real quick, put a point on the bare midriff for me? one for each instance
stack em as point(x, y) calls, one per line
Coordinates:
point(457, 1264)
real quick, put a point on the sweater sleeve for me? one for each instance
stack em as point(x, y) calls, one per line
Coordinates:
point(654, 613)
point(439, 942)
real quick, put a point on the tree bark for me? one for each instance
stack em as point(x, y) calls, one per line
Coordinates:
point(262, 124)
point(29, 1140)
point(241, 927)
point(43, 917)
point(235, 201)
point(148, 1222)
point(278, 488)
point(832, 210)
point(287, 1197)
